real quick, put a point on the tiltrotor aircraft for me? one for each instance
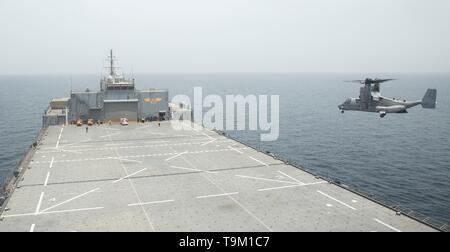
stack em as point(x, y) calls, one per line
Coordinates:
point(370, 99)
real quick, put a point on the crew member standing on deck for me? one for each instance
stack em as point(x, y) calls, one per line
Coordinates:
point(87, 128)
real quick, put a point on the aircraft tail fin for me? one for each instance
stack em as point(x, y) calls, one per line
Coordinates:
point(429, 99)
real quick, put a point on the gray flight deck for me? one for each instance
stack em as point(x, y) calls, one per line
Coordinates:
point(143, 177)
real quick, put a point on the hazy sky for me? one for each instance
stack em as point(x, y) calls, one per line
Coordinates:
point(203, 36)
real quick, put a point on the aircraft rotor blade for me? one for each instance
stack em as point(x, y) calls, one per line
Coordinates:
point(355, 81)
point(370, 81)
point(382, 80)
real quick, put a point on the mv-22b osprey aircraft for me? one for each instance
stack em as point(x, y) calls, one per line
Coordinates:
point(370, 99)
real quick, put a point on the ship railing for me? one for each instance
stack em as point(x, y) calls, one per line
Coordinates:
point(399, 209)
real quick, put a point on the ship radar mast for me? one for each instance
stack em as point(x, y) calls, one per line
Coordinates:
point(112, 68)
point(111, 60)
point(115, 80)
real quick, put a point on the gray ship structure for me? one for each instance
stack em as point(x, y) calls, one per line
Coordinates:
point(117, 98)
point(147, 176)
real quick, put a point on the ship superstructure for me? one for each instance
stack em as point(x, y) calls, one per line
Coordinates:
point(117, 98)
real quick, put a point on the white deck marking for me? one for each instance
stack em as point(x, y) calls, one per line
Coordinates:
point(216, 195)
point(190, 169)
point(184, 168)
point(46, 178)
point(258, 161)
point(136, 156)
point(238, 151)
point(296, 180)
point(38, 207)
point(147, 217)
point(84, 141)
point(117, 146)
point(129, 175)
point(338, 201)
point(266, 179)
point(52, 212)
point(59, 138)
point(290, 186)
point(389, 226)
point(150, 203)
point(230, 197)
point(71, 199)
point(208, 136)
point(32, 228)
point(129, 160)
point(212, 141)
point(177, 155)
point(51, 162)
point(239, 204)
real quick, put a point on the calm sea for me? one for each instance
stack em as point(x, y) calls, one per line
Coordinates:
point(403, 158)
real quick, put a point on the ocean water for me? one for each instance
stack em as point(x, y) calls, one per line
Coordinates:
point(404, 158)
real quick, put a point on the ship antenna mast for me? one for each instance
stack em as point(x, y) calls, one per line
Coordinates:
point(111, 72)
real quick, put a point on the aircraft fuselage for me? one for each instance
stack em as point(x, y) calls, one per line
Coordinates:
point(378, 104)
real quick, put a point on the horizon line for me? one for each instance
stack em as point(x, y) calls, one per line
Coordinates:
point(231, 73)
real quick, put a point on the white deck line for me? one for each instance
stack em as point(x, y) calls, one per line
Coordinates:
point(212, 141)
point(266, 179)
point(208, 136)
point(52, 212)
point(261, 162)
point(147, 217)
point(46, 178)
point(38, 207)
point(151, 202)
point(290, 186)
point(296, 180)
point(216, 195)
point(184, 168)
point(340, 202)
point(231, 197)
point(177, 155)
point(387, 225)
point(59, 138)
point(189, 169)
point(238, 151)
point(71, 199)
point(129, 175)
point(239, 204)
point(51, 162)
point(129, 160)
